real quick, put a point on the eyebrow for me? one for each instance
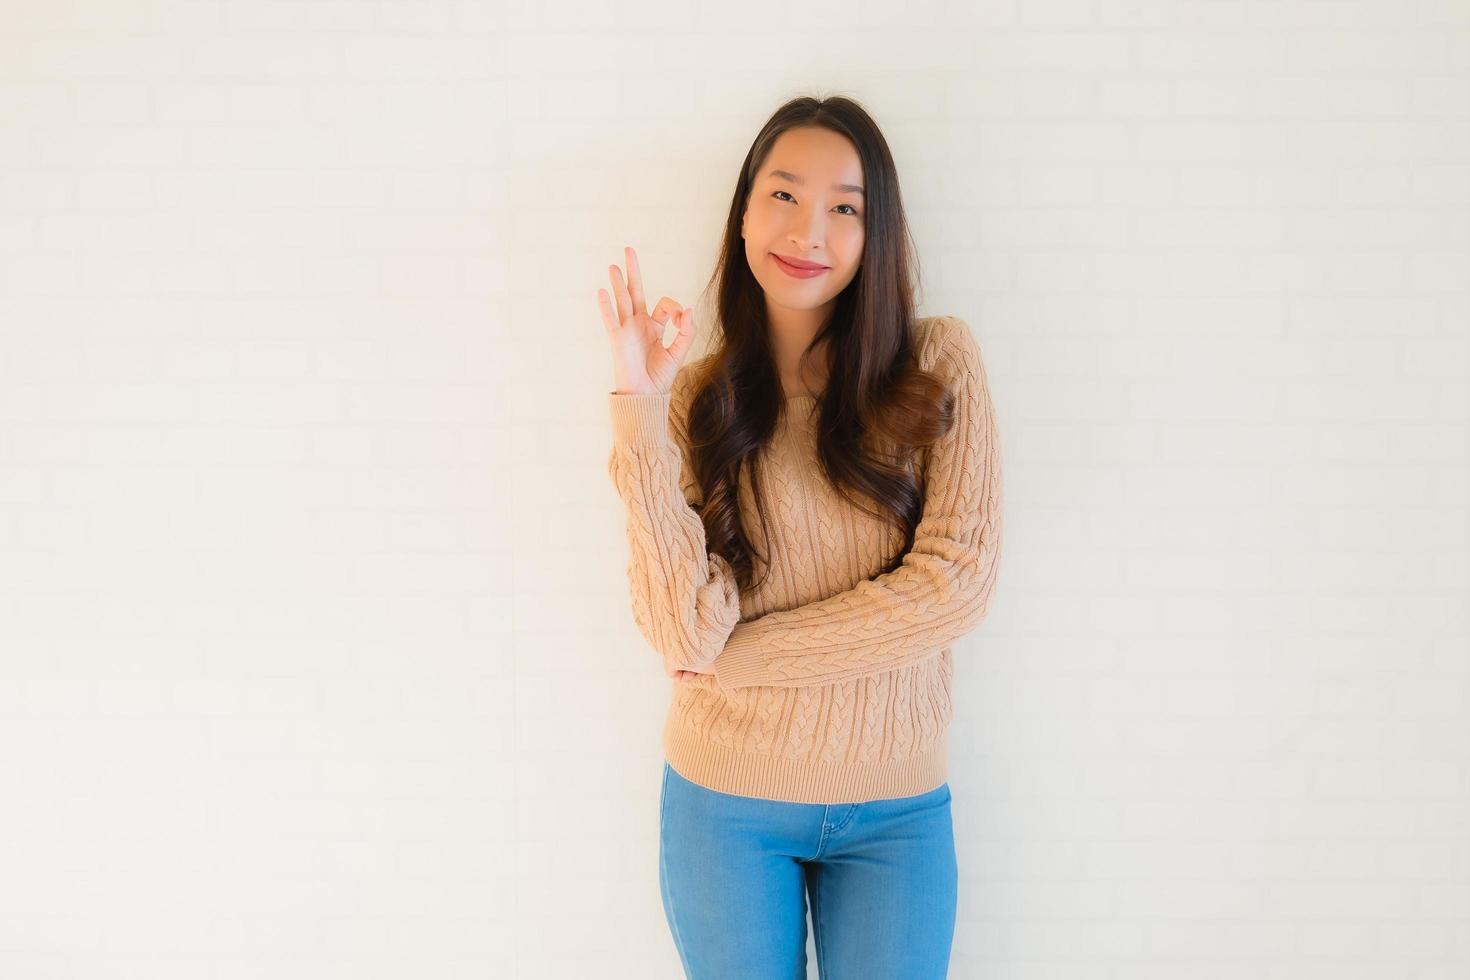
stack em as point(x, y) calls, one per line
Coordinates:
point(788, 175)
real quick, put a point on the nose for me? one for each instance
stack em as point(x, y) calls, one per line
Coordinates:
point(807, 229)
point(807, 234)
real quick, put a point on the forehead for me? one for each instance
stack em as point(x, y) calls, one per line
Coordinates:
point(812, 156)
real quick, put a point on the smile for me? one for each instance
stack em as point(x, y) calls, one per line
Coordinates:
point(795, 271)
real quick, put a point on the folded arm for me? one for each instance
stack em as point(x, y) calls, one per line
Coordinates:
point(685, 601)
point(942, 589)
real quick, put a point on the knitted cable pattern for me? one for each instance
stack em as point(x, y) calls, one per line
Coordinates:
point(830, 683)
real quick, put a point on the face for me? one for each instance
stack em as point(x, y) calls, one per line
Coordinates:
point(806, 213)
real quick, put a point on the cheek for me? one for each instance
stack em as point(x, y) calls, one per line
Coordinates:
point(850, 246)
point(762, 217)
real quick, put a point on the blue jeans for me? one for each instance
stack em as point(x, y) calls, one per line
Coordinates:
point(735, 872)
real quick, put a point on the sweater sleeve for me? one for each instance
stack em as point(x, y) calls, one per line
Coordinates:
point(685, 601)
point(943, 587)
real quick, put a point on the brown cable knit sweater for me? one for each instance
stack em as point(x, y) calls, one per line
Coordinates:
point(831, 682)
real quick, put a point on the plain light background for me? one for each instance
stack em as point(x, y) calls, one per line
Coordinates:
point(316, 655)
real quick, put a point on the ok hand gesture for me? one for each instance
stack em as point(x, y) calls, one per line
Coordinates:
point(641, 363)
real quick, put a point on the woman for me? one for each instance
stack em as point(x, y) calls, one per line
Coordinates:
point(805, 742)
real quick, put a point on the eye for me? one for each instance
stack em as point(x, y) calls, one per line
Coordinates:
point(852, 209)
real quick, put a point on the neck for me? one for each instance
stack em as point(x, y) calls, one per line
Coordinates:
point(791, 333)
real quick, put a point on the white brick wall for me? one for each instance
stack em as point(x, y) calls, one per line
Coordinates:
point(315, 653)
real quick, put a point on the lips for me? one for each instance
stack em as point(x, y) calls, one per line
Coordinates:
point(796, 271)
point(798, 263)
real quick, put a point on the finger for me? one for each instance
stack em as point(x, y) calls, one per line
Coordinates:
point(666, 308)
point(685, 321)
point(604, 306)
point(635, 280)
point(620, 293)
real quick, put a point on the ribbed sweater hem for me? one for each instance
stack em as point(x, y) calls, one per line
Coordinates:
point(796, 781)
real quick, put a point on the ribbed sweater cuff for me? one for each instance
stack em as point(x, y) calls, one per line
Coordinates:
point(741, 663)
point(639, 420)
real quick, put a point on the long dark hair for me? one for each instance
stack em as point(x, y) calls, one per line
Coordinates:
point(878, 408)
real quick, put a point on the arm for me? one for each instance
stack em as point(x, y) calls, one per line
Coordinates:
point(685, 601)
point(941, 591)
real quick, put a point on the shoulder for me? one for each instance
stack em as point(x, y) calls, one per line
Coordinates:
point(690, 377)
point(947, 345)
point(688, 380)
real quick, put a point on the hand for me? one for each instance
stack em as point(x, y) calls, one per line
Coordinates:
point(641, 364)
point(695, 677)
